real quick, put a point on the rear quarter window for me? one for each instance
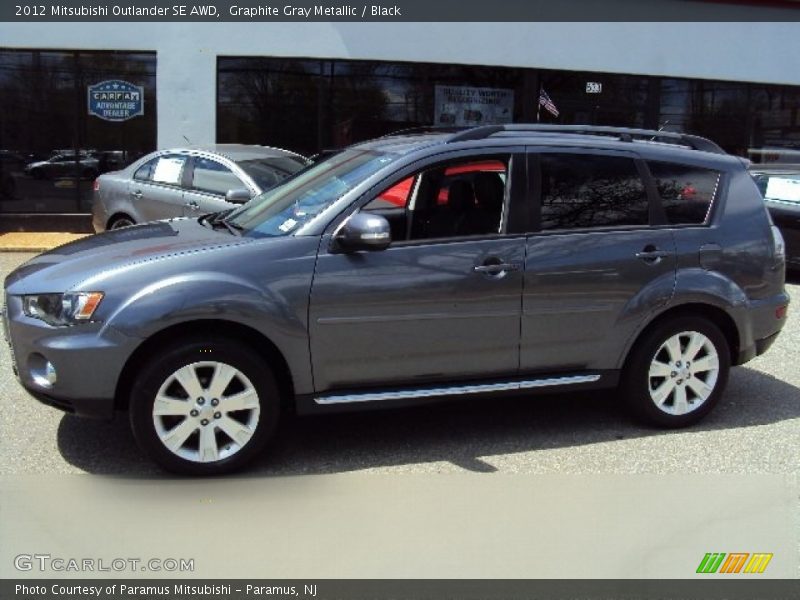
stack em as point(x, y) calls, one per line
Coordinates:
point(687, 192)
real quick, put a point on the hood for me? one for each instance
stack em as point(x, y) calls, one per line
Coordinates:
point(66, 267)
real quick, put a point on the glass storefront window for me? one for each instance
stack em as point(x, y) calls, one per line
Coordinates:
point(52, 148)
point(310, 105)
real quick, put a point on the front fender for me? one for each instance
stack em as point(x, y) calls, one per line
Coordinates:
point(272, 311)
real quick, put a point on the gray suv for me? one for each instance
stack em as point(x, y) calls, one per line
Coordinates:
point(414, 267)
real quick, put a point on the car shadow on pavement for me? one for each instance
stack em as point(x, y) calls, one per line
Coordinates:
point(459, 432)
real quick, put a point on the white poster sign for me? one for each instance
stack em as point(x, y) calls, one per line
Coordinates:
point(462, 106)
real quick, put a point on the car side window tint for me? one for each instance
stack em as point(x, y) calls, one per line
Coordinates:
point(455, 199)
point(145, 172)
point(686, 192)
point(168, 169)
point(589, 190)
point(214, 177)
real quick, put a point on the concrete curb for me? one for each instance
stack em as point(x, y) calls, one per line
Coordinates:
point(35, 241)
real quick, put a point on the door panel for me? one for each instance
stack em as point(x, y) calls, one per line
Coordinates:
point(416, 313)
point(210, 181)
point(197, 203)
point(155, 201)
point(158, 194)
point(586, 293)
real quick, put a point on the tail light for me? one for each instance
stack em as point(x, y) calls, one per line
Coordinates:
point(778, 245)
point(96, 185)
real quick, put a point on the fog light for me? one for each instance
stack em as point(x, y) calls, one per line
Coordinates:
point(43, 372)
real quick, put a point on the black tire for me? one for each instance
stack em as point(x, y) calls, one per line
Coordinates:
point(196, 351)
point(637, 383)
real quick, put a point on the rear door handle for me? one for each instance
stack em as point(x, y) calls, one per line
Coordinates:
point(496, 268)
point(137, 194)
point(652, 255)
point(193, 205)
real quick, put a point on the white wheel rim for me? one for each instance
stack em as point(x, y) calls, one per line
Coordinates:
point(206, 411)
point(683, 373)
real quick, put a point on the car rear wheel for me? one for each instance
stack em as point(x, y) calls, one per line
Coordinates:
point(677, 372)
point(204, 407)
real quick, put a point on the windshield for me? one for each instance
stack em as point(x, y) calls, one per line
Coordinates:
point(269, 172)
point(284, 209)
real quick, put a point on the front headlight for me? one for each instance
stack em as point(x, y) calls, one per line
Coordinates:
point(62, 309)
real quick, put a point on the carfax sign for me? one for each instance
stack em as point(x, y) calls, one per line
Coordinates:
point(116, 100)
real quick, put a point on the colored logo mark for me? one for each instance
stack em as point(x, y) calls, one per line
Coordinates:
point(735, 562)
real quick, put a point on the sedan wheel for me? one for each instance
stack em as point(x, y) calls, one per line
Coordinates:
point(677, 372)
point(121, 222)
point(204, 416)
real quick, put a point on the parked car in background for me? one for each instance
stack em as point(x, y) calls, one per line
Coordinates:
point(522, 259)
point(64, 164)
point(188, 182)
point(780, 186)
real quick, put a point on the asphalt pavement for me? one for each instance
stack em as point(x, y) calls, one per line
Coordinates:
point(754, 430)
point(551, 486)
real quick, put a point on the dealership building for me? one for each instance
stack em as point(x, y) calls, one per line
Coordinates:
point(310, 86)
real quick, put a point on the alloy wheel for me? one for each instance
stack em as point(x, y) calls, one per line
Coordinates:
point(683, 373)
point(206, 411)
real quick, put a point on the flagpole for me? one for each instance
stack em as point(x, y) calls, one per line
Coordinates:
point(539, 103)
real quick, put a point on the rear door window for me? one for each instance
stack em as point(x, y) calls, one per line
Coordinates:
point(581, 191)
point(687, 192)
point(168, 169)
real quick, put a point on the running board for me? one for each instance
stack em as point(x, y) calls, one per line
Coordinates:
point(457, 390)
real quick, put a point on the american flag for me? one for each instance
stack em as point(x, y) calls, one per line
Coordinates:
point(544, 100)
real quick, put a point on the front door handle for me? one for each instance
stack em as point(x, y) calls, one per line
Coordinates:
point(137, 194)
point(495, 268)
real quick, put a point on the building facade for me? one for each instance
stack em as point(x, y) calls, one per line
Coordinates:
point(314, 86)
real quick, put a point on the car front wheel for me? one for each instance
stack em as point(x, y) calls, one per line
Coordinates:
point(677, 372)
point(204, 407)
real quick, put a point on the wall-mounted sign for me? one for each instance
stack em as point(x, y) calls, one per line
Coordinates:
point(594, 87)
point(466, 106)
point(116, 100)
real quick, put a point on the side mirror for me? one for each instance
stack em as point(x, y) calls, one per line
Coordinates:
point(363, 231)
point(238, 196)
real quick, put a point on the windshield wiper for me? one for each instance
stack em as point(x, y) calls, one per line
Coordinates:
point(234, 228)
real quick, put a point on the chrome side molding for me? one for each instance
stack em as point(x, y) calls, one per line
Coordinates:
point(457, 390)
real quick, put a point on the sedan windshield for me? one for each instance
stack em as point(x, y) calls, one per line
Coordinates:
point(284, 209)
point(269, 172)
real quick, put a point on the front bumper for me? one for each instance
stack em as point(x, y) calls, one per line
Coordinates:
point(87, 360)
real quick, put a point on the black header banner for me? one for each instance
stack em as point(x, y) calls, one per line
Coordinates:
point(399, 589)
point(397, 10)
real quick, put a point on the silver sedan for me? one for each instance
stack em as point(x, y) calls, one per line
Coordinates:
point(188, 182)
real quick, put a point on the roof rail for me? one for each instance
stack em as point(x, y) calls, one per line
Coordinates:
point(425, 129)
point(624, 134)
